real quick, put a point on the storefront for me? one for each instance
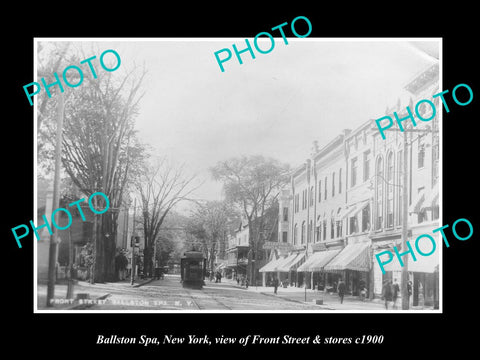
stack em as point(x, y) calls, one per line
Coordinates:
point(269, 270)
point(352, 264)
point(287, 269)
point(312, 268)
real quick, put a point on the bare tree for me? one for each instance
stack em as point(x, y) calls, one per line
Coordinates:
point(161, 187)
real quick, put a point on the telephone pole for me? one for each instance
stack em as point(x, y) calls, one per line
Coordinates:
point(52, 254)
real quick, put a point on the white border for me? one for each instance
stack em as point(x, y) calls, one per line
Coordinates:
point(179, 311)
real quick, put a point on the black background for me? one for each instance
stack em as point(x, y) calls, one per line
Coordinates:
point(68, 335)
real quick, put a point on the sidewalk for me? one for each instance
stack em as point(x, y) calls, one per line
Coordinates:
point(97, 291)
point(331, 301)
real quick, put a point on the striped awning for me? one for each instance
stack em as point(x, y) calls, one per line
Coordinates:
point(270, 267)
point(291, 262)
point(318, 260)
point(417, 202)
point(352, 257)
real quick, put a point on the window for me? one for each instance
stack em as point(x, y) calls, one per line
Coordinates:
point(332, 228)
point(379, 194)
point(310, 231)
point(325, 188)
point(295, 234)
point(390, 190)
point(353, 224)
point(339, 224)
point(284, 236)
point(354, 171)
point(319, 233)
point(311, 195)
point(320, 191)
point(340, 181)
point(333, 184)
point(366, 218)
point(324, 229)
point(366, 165)
point(296, 203)
point(302, 240)
point(285, 214)
point(421, 152)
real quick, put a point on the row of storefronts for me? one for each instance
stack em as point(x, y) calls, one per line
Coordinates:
point(345, 204)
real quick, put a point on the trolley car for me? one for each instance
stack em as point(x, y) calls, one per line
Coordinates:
point(192, 266)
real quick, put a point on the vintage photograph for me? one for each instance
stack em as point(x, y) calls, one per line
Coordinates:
point(168, 183)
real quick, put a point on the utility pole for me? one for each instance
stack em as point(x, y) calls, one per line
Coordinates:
point(404, 277)
point(133, 243)
point(52, 254)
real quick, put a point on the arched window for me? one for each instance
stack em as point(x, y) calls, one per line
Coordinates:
point(390, 186)
point(325, 188)
point(333, 184)
point(303, 233)
point(340, 181)
point(311, 232)
point(332, 225)
point(379, 193)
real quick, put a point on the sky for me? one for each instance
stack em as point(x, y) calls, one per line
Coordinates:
point(275, 105)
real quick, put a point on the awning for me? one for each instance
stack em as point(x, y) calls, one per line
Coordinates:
point(424, 264)
point(270, 267)
point(291, 262)
point(345, 212)
point(221, 266)
point(417, 202)
point(432, 199)
point(352, 257)
point(318, 260)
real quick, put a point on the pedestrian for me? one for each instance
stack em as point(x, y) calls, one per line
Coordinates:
point(275, 285)
point(246, 283)
point(386, 292)
point(341, 290)
point(409, 289)
point(395, 291)
point(238, 280)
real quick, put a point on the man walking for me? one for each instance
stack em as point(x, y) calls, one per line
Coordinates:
point(275, 285)
point(395, 291)
point(387, 292)
point(341, 290)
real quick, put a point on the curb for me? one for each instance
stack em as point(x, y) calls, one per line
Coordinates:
point(143, 283)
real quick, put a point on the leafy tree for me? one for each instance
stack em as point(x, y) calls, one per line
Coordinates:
point(100, 148)
point(253, 184)
point(210, 224)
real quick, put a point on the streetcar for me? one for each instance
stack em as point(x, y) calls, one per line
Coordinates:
point(192, 269)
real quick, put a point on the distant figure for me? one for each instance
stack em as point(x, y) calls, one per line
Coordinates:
point(409, 289)
point(395, 291)
point(341, 290)
point(387, 292)
point(238, 280)
point(246, 283)
point(275, 285)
